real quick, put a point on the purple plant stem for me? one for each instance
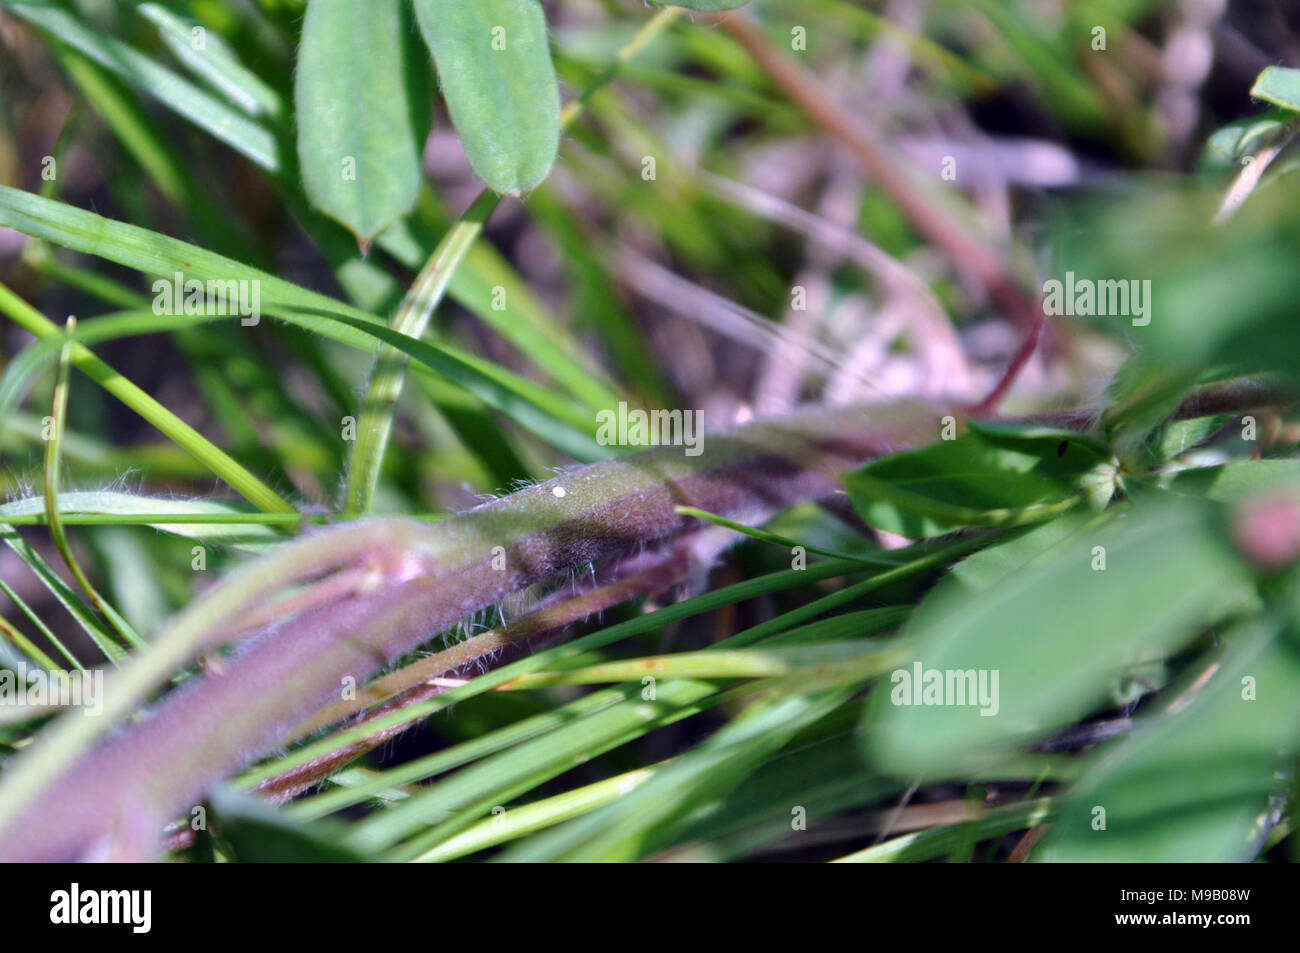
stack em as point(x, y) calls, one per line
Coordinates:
point(113, 802)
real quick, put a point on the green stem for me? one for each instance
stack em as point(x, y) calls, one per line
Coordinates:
point(114, 652)
point(26, 646)
point(389, 373)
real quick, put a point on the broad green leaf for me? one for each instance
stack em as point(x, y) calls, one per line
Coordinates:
point(1230, 482)
point(1050, 638)
point(991, 565)
point(1179, 436)
point(494, 63)
point(1280, 86)
point(1002, 431)
point(990, 479)
point(1216, 301)
point(362, 95)
point(1196, 784)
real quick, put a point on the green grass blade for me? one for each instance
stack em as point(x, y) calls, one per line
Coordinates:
point(185, 436)
point(939, 841)
point(208, 57)
point(206, 112)
point(389, 373)
point(531, 406)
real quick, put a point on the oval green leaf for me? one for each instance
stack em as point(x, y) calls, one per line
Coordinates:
point(1280, 86)
point(1195, 785)
point(364, 96)
point(494, 63)
point(1040, 647)
point(999, 476)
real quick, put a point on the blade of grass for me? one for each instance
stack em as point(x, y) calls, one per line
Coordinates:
point(640, 823)
point(214, 62)
point(938, 841)
point(114, 652)
point(530, 818)
point(40, 625)
point(61, 591)
point(706, 664)
point(533, 407)
point(206, 112)
point(185, 436)
point(389, 373)
point(25, 645)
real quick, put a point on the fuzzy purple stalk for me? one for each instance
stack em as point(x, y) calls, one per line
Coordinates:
point(113, 801)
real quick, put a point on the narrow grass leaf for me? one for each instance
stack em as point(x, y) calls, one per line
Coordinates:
point(177, 93)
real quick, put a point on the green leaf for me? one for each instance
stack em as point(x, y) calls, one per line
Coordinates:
point(991, 565)
point(494, 62)
point(214, 62)
point(1055, 633)
point(1219, 301)
point(1229, 145)
point(998, 478)
point(261, 834)
point(1177, 437)
point(1230, 482)
point(1280, 86)
point(247, 536)
point(363, 100)
point(1194, 785)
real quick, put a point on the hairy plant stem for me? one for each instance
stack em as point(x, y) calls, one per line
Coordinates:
point(71, 798)
point(423, 680)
